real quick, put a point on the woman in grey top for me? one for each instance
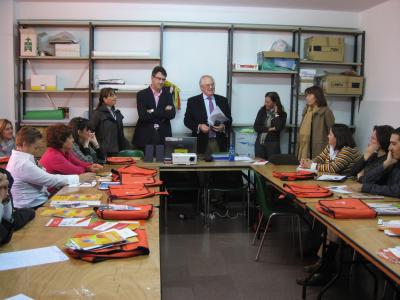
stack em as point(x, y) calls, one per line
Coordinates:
point(85, 146)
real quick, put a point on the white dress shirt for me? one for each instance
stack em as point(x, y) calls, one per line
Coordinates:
point(31, 182)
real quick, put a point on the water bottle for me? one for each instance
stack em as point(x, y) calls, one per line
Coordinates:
point(232, 153)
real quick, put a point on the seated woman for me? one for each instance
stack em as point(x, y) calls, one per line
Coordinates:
point(339, 155)
point(375, 153)
point(31, 181)
point(85, 145)
point(58, 158)
point(10, 219)
point(7, 142)
point(270, 121)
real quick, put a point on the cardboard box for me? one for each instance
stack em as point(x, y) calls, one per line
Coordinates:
point(341, 84)
point(324, 48)
point(28, 45)
point(277, 61)
point(69, 50)
point(43, 82)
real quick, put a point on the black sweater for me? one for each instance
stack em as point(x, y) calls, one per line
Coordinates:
point(278, 122)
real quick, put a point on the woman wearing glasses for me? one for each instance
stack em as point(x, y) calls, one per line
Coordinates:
point(107, 124)
point(155, 108)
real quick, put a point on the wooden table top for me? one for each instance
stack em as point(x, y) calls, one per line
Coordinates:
point(363, 235)
point(266, 172)
point(127, 278)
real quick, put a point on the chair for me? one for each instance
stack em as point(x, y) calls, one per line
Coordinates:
point(284, 159)
point(223, 187)
point(270, 210)
point(179, 182)
point(131, 153)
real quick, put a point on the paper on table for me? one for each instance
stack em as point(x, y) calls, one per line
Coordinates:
point(243, 158)
point(19, 297)
point(84, 184)
point(340, 189)
point(260, 162)
point(327, 177)
point(217, 115)
point(31, 257)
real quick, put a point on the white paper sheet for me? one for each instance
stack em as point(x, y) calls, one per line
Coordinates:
point(31, 257)
point(260, 162)
point(217, 115)
point(19, 297)
point(84, 184)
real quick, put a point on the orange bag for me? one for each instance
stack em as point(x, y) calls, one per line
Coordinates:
point(139, 179)
point(132, 169)
point(132, 191)
point(117, 251)
point(346, 208)
point(307, 190)
point(144, 213)
point(120, 160)
point(4, 160)
point(291, 176)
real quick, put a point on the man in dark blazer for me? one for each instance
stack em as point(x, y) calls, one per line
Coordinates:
point(210, 138)
point(155, 108)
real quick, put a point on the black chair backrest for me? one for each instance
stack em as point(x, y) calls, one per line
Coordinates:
point(284, 159)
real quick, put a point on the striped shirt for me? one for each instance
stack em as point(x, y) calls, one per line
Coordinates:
point(341, 164)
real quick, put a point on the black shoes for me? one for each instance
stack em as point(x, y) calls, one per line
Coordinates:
point(313, 267)
point(318, 279)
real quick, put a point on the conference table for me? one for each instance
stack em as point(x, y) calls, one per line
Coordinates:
point(361, 234)
point(128, 278)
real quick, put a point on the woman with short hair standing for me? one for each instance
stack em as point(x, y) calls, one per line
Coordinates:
point(107, 124)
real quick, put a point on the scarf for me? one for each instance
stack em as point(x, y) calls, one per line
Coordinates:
point(267, 123)
point(305, 134)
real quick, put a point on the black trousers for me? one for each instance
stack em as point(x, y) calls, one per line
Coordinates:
point(267, 149)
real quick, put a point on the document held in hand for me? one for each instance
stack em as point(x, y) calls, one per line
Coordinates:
point(217, 115)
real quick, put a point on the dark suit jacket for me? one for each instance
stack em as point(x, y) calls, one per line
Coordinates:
point(145, 132)
point(196, 114)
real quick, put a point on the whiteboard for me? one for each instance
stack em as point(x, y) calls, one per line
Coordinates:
point(187, 55)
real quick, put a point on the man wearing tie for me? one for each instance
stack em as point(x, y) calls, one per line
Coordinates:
point(155, 108)
point(210, 138)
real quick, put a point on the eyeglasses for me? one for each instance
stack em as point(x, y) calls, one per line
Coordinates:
point(160, 78)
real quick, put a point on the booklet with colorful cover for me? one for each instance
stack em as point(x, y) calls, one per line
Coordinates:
point(101, 239)
point(68, 222)
point(66, 212)
point(77, 197)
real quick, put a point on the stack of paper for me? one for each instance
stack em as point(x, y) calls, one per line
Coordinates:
point(386, 209)
point(101, 240)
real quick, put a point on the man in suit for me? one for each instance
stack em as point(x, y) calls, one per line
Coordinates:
point(155, 108)
point(210, 138)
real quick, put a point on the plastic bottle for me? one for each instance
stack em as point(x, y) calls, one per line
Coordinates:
point(232, 153)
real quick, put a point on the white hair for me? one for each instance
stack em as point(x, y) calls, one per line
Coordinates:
point(206, 76)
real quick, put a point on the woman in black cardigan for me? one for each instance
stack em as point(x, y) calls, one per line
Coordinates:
point(270, 121)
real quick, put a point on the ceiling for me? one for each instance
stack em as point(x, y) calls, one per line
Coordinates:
point(337, 5)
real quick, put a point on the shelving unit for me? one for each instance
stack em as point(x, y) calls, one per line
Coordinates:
point(243, 43)
point(354, 61)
